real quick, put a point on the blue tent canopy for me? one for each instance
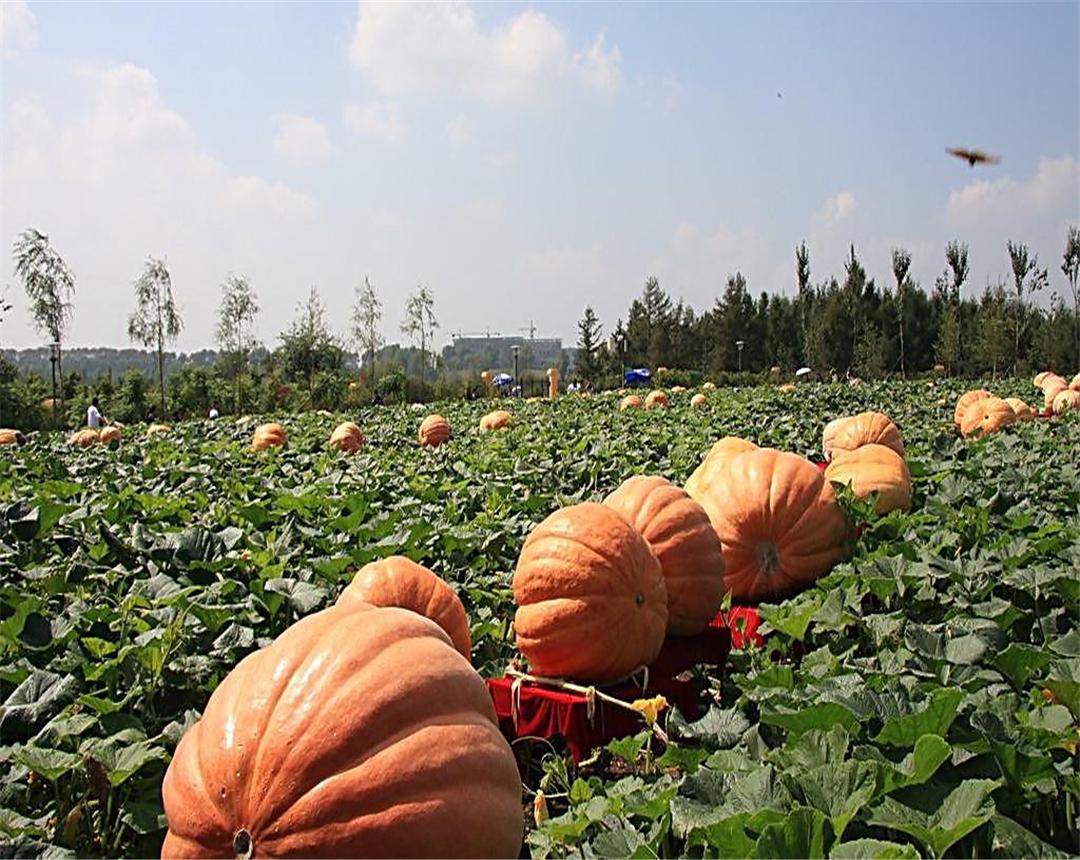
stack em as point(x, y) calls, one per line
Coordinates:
point(502, 379)
point(638, 376)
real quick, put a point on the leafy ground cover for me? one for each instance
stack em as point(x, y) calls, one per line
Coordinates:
point(922, 699)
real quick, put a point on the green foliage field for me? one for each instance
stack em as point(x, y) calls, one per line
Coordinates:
point(922, 699)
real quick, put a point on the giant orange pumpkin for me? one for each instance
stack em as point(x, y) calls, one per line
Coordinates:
point(986, 415)
point(400, 581)
point(1022, 410)
point(965, 401)
point(1075, 384)
point(779, 524)
point(631, 401)
point(866, 428)
point(1051, 390)
point(592, 603)
point(109, 434)
point(347, 437)
point(874, 468)
point(708, 386)
point(434, 431)
point(1041, 378)
point(655, 399)
point(685, 543)
point(83, 438)
point(1065, 400)
point(717, 458)
point(497, 420)
point(1047, 380)
point(159, 429)
point(359, 732)
point(698, 401)
point(11, 437)
point(268, 436)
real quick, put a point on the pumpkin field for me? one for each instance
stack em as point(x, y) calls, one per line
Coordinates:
point(922, 698)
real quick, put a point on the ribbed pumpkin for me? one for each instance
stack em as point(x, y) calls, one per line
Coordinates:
point(1075, 384)
point(159, 429)
point(986, 415)
point(679, 532)
point(268, 436)
point(1047, 380)
point(434, 431)
point(678, 389)
point(1065, 400)
point(359, 732)
point(592, 603)
point(874, 468)
point(347, 437)
point(787, 387)
point(866, 428)
point(698, 401)
point(109, 434)
point(10, 437)
point(1040, 378)
point(631, 401)
point(779, 524)
point(1051, 390)
point(656, 399)
point(708, 386)
point(496, 420)
point(1022, 410)
point(965, 401)
point(83, 438)
point(717, 458)
point(400, 581)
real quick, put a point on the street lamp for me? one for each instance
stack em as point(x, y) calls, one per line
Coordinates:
point(739, 344)
point(515, 349)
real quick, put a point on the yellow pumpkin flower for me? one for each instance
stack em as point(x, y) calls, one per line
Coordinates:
point(650, 708)
point(540, 809)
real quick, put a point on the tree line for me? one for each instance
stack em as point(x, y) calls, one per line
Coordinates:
point(852, 326)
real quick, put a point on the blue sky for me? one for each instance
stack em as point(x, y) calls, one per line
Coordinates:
point(524, 160)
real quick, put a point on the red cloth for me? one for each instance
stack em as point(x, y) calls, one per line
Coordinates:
point(743, 622)
point(546, 713)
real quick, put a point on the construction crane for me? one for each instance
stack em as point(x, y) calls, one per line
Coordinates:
point(531, 329)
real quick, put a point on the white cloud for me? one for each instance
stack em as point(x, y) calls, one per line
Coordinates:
point(122, 177)
point(18, 28)
point(837, 208)
point(696, 263)
point(379, 120)
point(457, 130)
point(487, 209)
point(1054, 187)
point(601, 68)
point(440, 46)
point(302, 138)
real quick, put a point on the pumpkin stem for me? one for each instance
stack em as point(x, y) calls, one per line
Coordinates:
point(768, 559)
point(242, 845)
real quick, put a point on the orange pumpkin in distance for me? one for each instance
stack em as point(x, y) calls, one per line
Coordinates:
point(874, 468)
point(866, 428)
point(592, 603)
point(434, 431)
point(965, 401)
point(708, 386)
point(698, 401)
point(159, 429)
point(497, 420)
point(986, 415)
point(347, 437)
point(656, 399)
point(109, 434)
point(718, 457)
point(1065, 400)
point(359, 732)
point(83, 438)
point(685, 543)
point(1051, 380)
point(1022, 410)
point(400, 581)
point(779, 524)
point(268, 436)
point(631, 401)
point(1040, 378)
point(11, 437)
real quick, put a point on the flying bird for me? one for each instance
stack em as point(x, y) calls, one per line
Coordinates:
point(973, 156)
